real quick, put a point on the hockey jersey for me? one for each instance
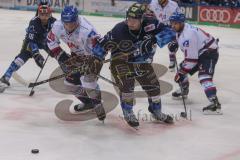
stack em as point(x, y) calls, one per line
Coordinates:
point(122, 40)
point(194, 42)
point(80, 41)
point(163, 13)
point(36, 33)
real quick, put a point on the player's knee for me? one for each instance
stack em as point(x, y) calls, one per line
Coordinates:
point(89, 81)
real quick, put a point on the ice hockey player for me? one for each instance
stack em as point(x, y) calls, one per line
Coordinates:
point(163, 9)
point(201, 54)
point(79, 35)
point(132, 46)
point(35, 39)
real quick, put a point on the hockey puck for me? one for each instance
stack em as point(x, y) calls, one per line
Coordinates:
point(183, 114)
point(35, 151)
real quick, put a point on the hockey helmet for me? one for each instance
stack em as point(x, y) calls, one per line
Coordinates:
point(44, 9)
point(136, 11)
point(177, 17)
point(69, 14)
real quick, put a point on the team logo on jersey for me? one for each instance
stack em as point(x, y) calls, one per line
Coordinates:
point(149, 28)
point(186, 43)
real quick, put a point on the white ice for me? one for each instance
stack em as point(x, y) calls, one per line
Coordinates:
point(29, 122)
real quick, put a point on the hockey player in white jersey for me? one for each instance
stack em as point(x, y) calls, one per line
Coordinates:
point(201, 54)
point(163, 9)
point(79, 35)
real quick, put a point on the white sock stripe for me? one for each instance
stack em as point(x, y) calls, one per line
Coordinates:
point(202, 77)
point(19, 61)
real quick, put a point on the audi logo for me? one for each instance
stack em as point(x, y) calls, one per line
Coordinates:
point(215, 15)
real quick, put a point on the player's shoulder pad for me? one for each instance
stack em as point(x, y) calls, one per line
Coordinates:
point(150, 24)
point(120, 28)
point(52, 19)
point(57, 27)
point(189, 35)
point(85, 25)
point(34, 24)
point(35, 21)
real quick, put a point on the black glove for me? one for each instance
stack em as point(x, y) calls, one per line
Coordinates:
point(62, 59)
point(147, 44)
point(173, 46)
point(179, 77)
point(95, 64)
point(38, 59)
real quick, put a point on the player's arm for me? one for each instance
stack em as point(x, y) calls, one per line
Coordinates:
point(157, 33)
point(56, 51)
point(191, 57)
point(32, 35)
point(100, 46)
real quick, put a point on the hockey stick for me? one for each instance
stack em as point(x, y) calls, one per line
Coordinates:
point(32, 90)
point(107, 80)
point(74, 71)
point(183, 114)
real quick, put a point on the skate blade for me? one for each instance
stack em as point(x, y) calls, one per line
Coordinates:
point(136, 128)
point(157, 121)
point(171, 69)
point(72, 111)
point(217, 112)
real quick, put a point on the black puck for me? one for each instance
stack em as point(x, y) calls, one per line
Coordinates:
point(183, 114)
point(35, 151)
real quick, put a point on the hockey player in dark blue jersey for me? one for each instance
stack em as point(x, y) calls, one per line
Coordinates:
point(35, 39)
point(132, 44)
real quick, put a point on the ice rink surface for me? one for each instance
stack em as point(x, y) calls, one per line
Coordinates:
point(30, 122)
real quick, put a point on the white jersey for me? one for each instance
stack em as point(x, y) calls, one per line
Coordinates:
point(193, 42)
point(164, 13)
point(79, 41)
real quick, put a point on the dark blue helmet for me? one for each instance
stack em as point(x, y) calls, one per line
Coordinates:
point(177, 17)
point(69, 14)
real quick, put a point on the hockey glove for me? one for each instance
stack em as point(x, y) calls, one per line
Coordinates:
point(95, 65)
point(147, 44)
point(98, 49)
point(38, 59)
point(173, 46)
point(179, 77)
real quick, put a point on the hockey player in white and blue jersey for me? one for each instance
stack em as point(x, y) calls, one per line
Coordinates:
point(163, 9)
point(201, 54)
point(79, 35)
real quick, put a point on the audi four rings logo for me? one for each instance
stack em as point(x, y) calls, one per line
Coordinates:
point(215, 15)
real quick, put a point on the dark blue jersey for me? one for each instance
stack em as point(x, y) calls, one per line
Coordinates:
point(36, 34)
point(123, 40)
